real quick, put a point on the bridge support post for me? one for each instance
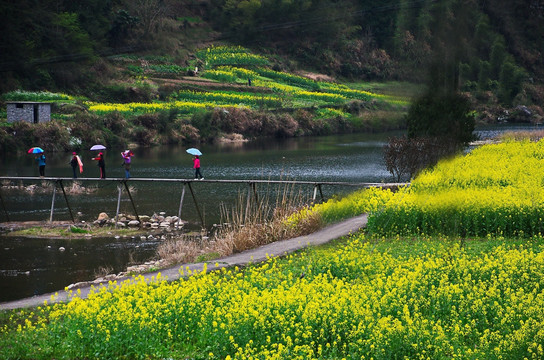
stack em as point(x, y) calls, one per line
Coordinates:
point(181, 202)
point(248, 203)
point(132, 202)
point(317, 187)
point(118, 204)
point(66, 198)
point(53, 203)
point(196, 205)
point(4, 206)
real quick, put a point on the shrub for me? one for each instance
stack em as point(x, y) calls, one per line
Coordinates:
point(143, 136)
point(405, 157)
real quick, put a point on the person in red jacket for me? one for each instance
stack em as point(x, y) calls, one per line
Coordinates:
point(196, 166)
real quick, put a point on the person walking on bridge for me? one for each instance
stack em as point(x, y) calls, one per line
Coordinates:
point(127, 154)
point(75, 162)
point(101, 164)
point(40, 159)
point(196, 166)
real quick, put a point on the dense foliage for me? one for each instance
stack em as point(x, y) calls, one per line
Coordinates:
point(478, 46)
point(447, 116)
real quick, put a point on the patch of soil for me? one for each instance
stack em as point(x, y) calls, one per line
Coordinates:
point(317, 77)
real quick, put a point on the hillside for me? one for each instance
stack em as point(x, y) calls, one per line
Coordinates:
point(234, 94)
point(122, 52)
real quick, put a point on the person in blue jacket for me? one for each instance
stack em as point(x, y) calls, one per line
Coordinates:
point(40, 159)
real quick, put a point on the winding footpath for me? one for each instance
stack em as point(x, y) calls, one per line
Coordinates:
point(260, 254)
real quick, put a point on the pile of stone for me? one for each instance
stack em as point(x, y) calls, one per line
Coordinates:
point(156, 221)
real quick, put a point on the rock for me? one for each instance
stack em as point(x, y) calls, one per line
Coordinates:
point(144, 218)
point(133, 223)
point(62, 248)
point(103, 217)
point(121, 224)
point(524, 110)
point(162, 213)
point(164, 224)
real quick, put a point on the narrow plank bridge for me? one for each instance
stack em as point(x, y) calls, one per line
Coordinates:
point(122, 183)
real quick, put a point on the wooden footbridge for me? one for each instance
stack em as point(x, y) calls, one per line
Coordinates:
point(122, 183)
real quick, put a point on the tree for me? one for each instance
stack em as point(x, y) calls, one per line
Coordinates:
point(510, 82)
point(444, 115)
point(149, 13)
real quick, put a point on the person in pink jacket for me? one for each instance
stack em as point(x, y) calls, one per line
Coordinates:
point(196, 166)
point(127, 155)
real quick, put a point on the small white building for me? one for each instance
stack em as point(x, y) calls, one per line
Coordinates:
point(29, 111)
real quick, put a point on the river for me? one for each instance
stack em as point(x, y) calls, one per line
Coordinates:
point(35, 266)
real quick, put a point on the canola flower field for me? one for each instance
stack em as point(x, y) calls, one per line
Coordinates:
point(373, 295)
point(237, 65)
point(430, 298)
point(494, 190)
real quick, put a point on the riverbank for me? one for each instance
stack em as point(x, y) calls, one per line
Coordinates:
point(262, 253)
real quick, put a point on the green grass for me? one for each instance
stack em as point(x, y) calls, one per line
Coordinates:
point(71, 231)
point(393, 88)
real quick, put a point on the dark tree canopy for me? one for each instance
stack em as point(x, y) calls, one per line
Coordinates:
point(446, 115)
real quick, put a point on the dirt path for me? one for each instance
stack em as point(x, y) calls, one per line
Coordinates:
point(259, 254)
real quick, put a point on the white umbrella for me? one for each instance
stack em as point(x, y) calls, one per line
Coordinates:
point(98, 147)
point(194, 151)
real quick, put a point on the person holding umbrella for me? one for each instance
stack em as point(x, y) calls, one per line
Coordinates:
point(101, 164)
point(196, 166)
point(196, 162)
point(40, 159)
point(127, 154)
